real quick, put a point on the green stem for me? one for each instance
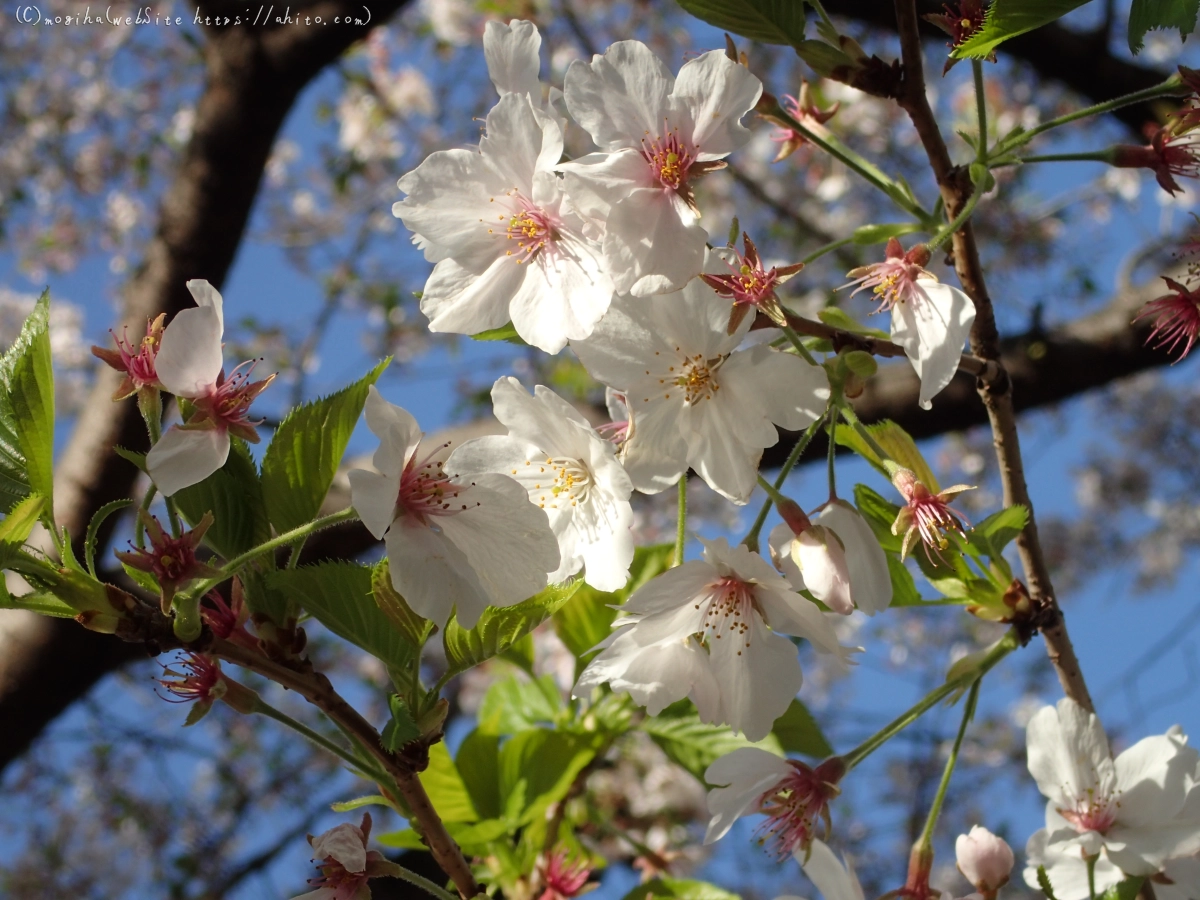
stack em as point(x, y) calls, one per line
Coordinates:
point(798, 344)
point(681, 521)
point(139, 529)
point(288, 537)
point(294, 557)
point(935, 810)
point(173, 515)
point(981, 152)
point(772, 492)
point(398, 871)
point(1171, 87)
point(751, 539)
point(827, 248)
point(832, 453)
point(1093, 156)
point(854, 422)
point(1091, 869)
point(963, 214)
point(265, 709)
point(1001, 649)
point(851, 160)
point(187, 623)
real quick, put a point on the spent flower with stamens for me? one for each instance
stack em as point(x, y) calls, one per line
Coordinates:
point(228, 620)
point(345, 864)
point(750, 285)
point(926, 516)
point(1172, 151)
point(960, 20)
point(200, 680)
point(805, 111)
point(562, 877)
point(136, 361)
point(1176, 319)
point(895, 279)
point(171, 560)
point(1189, 116)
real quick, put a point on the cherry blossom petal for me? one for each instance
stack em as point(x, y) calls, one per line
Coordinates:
point(758, 677)
point(207, 296)
point(656, 456)
point(669, 591)
point(519, 142)
point(597, 181)
point(189, 358)
point(717, 449)
point(458, 301)
point(186, 456)
point(822, 560)
point(512, 54)
point(741, 778)
point(653, 243)
point(374, 499)
point(932, 331)
point(345, 844)
point(1067, 747)
point(716, 92)
point(433, 574)
point(870, 580)
point(1152, 776)
point(618, 97)
point(779, 541)
point(653, 677)
point(834, 880)
point(398, 433)
point(607, 560)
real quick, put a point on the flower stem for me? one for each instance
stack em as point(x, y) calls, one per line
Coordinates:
point(681, 521)
point(798, 344)
point(981, 150)
point(1091, 869)
point(935, 809)
point(963, 214)
point(265, 709)
point(1093, 156)
point(832, 453)
point(288, 537)
point(751, 539)
point(139, 528)
point(1000, 650)
point(854, 422)
point(826, 248)
point(398, 871)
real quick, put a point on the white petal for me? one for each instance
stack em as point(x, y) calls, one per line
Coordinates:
point(207, 296)
point(656, 455)
point(790, 613)
point(607, 559)
point(519, 142)
point(1152, 777)
point(594, 183)
point(787, 390)
point(619, 96)
point(457, 301)
point(449, 199)
point(189, 358)
point(716, 92)
point(822, 560)
point(677, 588)
point(433, 574)
point(719, 449)
point(345, 844)
point(653, 243)
point(398, 433)
point(780, 543)
point(870, 581)
point(186, 456)
point(374, 499)
point(932, 331)
point(742, 776)
point(758, 675)
point(1067, 747)
point(655, 676)
point(512, 57)
point(832, 879)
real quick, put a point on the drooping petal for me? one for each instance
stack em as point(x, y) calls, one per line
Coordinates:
point(433, 574)
point(398, 433)
point(208, 296)
point(932, 329)
point(833, 880)
point(186, 456)
point(512, 54)
point(189, 358)
point(716, 92)
point(618, 97)
point(374, 499)
point(742, 777)
point(870, 581)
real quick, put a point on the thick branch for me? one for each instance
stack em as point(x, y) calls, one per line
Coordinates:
point(996, 393)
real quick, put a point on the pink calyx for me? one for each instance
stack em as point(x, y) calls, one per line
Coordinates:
point(895, 279)
point(1176, 319)
point(797, 802)
point(226, 406)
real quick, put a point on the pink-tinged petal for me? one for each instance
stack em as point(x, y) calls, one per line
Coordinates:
point(512, 54)
point(457, 301)
point(653, 243)
point(738, 560)
point(716, 92)
point(870, 580)
point(397, 430)
point(345, 844)
point(208, 296)
point(742, 777)
point(374, 499)
point(780, 543)
point(619, 96)
point(186, 456)
point(932, 328)
point(433, 574)
point(189, 358)
point(822, 561)
point(758, 674)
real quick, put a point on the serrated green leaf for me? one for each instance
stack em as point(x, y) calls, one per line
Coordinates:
point(537, 767)
point(37, 602)
point(898, 445)
point(1009, 18)
point(446, 788)
point(506, 332)
point(359, 802)
point(824, 59)
point(680, 889)
point(836, 317)
point(880, 513)
point(233, 494)
point(304, 454)
point(798, 732)
point(472, 838)
point(587, 619)
point(415, 629)
point(693, 744)
point(401, 728)
point(93, 530)
point(511, 705)
point(1151, 15)
point(1043, 881)
point(904, 589)
point(877, 234)
point(1124, 890)
point(338, 594)
point(478, 763)
point(18, 524)
point(501, 626)
point(27, 412)
point(1001, 528)
point(768, 21)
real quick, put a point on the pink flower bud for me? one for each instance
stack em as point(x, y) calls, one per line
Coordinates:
point(985, 860)
point(793, 515)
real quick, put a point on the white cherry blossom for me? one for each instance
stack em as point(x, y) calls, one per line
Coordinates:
point(569, 471)
point(656, 134)
point(694, 398)
point(506, 243)
point(713, 630)
point(839, 560)
point(452, 541)
point(345, 863)
point(984, 859)
point(189, 364)
point(1124, 811)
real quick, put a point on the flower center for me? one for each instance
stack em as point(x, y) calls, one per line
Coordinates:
point(1097, 811)
point(532, 228)
point(698, 378)
point(730, 606)
point(792, 808)
point(227, 404)
point(571, 485)
point(668, 158)
point(427, 492)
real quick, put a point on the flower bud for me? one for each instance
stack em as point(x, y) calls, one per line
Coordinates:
point(793, 515)
point(985, 859)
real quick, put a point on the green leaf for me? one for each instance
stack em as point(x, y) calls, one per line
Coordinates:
point(1043, 881)
point(233, 494)
point(537, 767)
point(693, 744)
point(513, 705)
point(359, 802)
point(1124, 890)
point(446, 789)
point(479, 764)
point(338, 594)
point(304, 454)
point(824, 59)
point(93, 530)
point(38, 602)
point(877, 234)
point(879, 513)
point(767, 21)
point(18, 525)
point(904, 589)
point(1009, 18)
point(472, 838)
point(506, 332)
point(897, 443)
point(501, 626)
point(415, 629)
point(587, 619)
point(1148, 15)
point(27, 412)
point(836, 317)
point(1001, 528)
point(679, 888)
point(798, 732)
point(401, 728)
